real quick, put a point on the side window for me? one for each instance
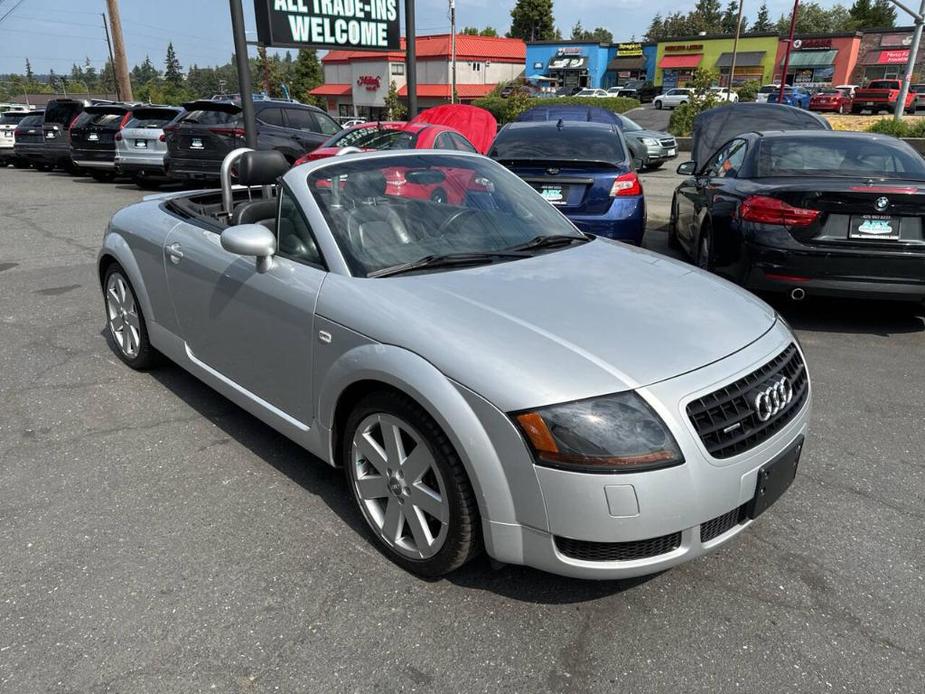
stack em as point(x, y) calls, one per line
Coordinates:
point(462, 143)
point(443, 141)
point(294, 238)
point(326, 124)
point(712, 167)
point(271, 116)
point(731, 163)
point(300, 120)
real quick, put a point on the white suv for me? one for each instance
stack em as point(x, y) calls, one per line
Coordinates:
point(672, 98)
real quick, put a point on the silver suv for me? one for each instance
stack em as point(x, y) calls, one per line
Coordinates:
point(141, 145)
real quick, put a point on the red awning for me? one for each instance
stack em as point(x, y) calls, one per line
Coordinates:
point(332, 90)
point(675, 61)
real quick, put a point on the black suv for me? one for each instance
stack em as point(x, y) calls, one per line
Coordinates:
point(93, 138)
point(59, 114)
point(645, 91)
point(198, 140)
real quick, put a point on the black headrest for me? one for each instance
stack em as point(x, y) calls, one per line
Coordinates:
point(365, 184)
point(261, 168)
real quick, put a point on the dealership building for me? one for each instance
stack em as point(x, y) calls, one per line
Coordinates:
point(357, 82)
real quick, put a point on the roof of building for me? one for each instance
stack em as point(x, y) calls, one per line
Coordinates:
point(332, 90)
point(468, 47)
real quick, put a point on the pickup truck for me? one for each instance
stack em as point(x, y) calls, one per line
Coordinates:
point(881, 95)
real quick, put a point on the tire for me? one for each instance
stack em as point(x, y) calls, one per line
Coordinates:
point(703, 258)
point(146, 183)
point(102, 176)
point(431, 542)
point(673, 242)
point(658, 104)
point(20, 164)
point(654, 166)
point(119, 302)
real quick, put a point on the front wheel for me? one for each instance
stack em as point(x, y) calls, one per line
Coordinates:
point(410, 485)
point(125, 320)
point(658, 105)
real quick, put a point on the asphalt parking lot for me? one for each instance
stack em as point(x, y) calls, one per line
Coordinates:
point(156, 538)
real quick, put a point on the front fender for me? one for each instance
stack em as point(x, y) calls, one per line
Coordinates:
point(115, 246)
point(429, 387)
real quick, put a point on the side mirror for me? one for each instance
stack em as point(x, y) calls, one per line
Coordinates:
point(688, 168)
point(251, 239)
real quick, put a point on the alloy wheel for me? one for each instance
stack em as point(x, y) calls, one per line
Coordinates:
point(122, 314)
point(399, 486)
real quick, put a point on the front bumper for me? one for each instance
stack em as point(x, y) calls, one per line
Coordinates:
point(661, 153)
point(625, 220)
point(648, 506)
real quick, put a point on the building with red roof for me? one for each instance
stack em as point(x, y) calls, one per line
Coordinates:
point(357, 82)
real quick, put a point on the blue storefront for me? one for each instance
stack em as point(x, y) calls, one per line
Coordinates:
point(570, 63)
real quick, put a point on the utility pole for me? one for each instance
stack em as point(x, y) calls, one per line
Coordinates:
point(411, 76)
point(120, 64)
point(735, 50)
point(919, 18)
point(453, 51)
point(112, 60)
point(793, 27)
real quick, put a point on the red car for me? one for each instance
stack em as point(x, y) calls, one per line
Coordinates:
point(831, 99)
point(453, 127)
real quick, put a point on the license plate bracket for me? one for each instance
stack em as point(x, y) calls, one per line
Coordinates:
point(774, 479)
point(874, 227)
point(141, 144)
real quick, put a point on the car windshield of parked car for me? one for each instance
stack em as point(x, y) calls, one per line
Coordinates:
point(571, 142)
point(12, 118)
point(882, 84)
point(629, 125)
point(31, 121)
point(769, 89)
point(213, 117)
point(840, 157)
point(389, 211)
point(830, 91)
point(151, 118)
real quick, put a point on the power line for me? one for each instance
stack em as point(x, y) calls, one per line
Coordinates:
point(11, 11)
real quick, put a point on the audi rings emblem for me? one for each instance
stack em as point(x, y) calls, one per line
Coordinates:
point(773, 398)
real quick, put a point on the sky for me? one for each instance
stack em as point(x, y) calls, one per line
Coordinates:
point(53, 34)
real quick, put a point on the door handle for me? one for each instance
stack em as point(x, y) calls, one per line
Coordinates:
point(175, 252)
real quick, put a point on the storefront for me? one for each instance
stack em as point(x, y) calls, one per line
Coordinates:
point(885, 55)
point(677, 60)
point(571, 64)
point(628, 63)
point(357, 82)
point(819, 60)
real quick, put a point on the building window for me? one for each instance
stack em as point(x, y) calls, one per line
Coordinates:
point(396, 68)
point(476, 67)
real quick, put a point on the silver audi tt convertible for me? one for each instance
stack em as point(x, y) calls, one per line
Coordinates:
point(488, 376)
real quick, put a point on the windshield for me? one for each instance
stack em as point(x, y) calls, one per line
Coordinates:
point(768, 89)
point(12, 118)
point(387, 211)
point(572, 142)
point(30, 121)
point(883, 84)
point(629, 125)
point(848, 157)
point(151, 118)
point(212, 117)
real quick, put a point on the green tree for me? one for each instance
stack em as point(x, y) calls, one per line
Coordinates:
point(656, 30)
point(91, 79)
point(813, 19)
point(30, 76)
point(173, 71)
point(532, 20)
point(707, 16)
point(488, 31)
point(872, 15)
point(395, 109)
point(599, 34)
point(144, 73)
point(108, 78)
point(306, 74)
point(762, 20)
point(730, 17)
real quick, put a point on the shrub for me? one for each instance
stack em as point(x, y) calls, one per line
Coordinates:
point(748, 91)
point(682, 118)
point(897, 128)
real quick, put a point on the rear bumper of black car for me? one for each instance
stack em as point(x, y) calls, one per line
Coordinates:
point(184, 169)
point(32, 153)
point(892, 275)
point(94, 158)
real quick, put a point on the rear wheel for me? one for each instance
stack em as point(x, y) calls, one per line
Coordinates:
point(704, 251)
point(20, 164)
point(125, 320)
point(658, 105)
point(410, 485)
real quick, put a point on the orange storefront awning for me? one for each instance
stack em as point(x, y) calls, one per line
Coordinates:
point(676, 61)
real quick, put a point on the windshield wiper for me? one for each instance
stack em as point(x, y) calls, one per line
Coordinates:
point(447, 260)
point(549, 241)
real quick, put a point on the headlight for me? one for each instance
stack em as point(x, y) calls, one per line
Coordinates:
point(651, 142)
point(614, 433)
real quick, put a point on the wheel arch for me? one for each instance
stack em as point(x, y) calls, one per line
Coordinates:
point(115, 250)
point(367, 368)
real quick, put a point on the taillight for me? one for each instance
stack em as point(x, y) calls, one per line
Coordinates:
point(162, 138)
point(118, 137)
point(765, 210)
point(170, 128)
point(73, 121)
point(626, 184)
point(231, 132)
point(19, 131)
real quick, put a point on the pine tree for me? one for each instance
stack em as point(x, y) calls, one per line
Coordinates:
point(173, 71)
point(763, 20)
point(470, 31)
point(656, 30)
point(532, 20)
point(90, 76)
point(306, 74)
point(30, 76)
point(488, 31)
point(730, 17)
point(707, 16)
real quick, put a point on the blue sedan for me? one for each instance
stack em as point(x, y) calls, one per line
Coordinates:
point(793, 96)
point(584, 169)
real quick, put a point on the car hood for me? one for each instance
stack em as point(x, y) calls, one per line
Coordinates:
point(593, 319)
point(639, 134)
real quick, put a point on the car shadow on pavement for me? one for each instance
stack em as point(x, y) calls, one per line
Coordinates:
point(820, 314)
point(316, 477)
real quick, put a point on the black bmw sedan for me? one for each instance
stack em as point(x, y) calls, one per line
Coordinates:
point(807, 213)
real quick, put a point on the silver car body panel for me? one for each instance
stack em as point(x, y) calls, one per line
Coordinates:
point(130, 153)
point(471, 345)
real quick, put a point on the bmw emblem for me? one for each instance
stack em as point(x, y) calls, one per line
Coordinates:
point(882, 203)
point(552, 171)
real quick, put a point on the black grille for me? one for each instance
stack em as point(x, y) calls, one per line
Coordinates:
point(618, 551)
point(668, 142)
point(717, 526)
point(726, 420)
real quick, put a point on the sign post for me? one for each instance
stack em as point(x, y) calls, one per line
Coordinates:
point(913, 55)
point(244, 74)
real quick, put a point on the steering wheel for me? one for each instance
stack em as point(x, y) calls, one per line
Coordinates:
point(453, 219)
